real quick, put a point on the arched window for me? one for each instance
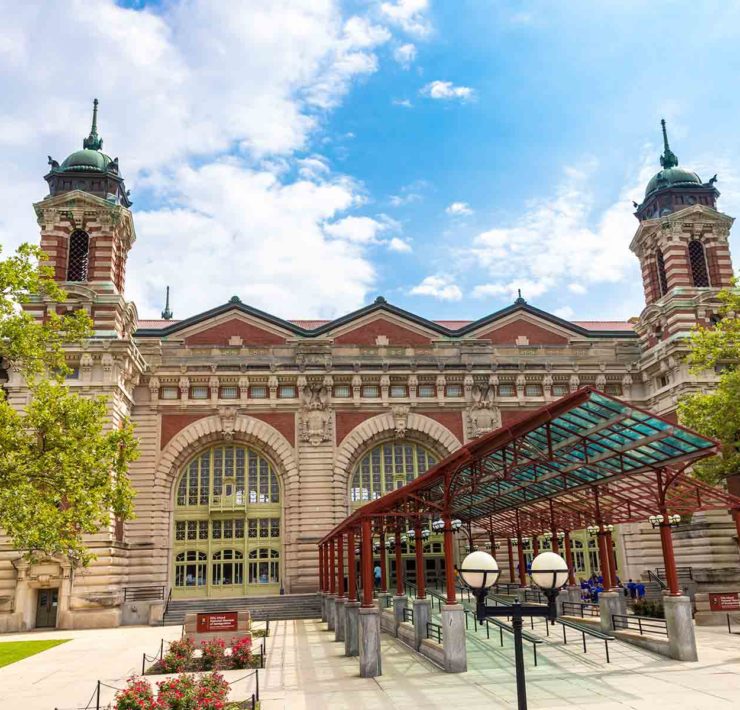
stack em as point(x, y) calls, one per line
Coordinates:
point(190, 569)
point(698, 263)
point(227, 568)
point(662, 279)
point(264, 566)
point(387, 467)
point(79, 256)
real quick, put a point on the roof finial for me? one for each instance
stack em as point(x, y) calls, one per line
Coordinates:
point(167, 313)
point(668, 159)
point(93, 141)
point(519, 301)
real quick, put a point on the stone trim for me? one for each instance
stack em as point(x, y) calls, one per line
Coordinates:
point(383, 427)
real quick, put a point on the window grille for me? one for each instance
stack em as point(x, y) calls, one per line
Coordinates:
point(286, 391)
point(258, 392)
point(370, 391)
point(79, 256)
point(427, 391)
point(533, 390)
point(662, 279)
point(169, 393)
point(698, 263)
point(199, 392)
point(613, 388)
point(559, 390)
point(229, 392)
point(341, 391)
point(398, 391)
point(453, 391)
point(506, 391)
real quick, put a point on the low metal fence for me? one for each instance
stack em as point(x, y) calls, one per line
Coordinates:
point(434, 631)
point(581, 609)
point(532, 595)
point(643, 624)
point(471, 615)
point(408, 615)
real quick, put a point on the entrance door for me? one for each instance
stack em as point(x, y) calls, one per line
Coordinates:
point(46, 608)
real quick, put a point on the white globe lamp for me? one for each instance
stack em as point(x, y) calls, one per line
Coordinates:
point(549, 571)
point(479, 570)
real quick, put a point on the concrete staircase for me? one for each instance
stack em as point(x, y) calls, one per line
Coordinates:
point(286, 606)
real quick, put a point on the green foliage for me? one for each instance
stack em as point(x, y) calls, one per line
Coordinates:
point(63, 467)
point(653, 609)
point(717, 414)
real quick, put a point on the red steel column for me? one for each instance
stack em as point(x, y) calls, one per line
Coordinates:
point(510, 550)
point(492, 540)
point(367, 563)
point(321, 568)
point(737, 524)
point(535, 546)
point(383, 573)
point(399, 565)
point(332, 569)
point(569, 559)
point(520, 555)
point(669, 560)
point(351, 574)
point(554, 542)
point(420, 571)
point(609, 544)
point(604, 559)
point(449, 561)
point(326, 567)
point(340, 565)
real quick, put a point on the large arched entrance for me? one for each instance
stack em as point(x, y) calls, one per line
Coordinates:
point(384, 468)
point(227, 525)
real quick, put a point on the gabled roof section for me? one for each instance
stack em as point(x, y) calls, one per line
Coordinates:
point(444, 329)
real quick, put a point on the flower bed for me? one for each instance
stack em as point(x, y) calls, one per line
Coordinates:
point(212, 655)
point(185, 692)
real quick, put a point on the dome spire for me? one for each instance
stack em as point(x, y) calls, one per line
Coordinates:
point(93, 141)
point(668, 159)
point(167, 313)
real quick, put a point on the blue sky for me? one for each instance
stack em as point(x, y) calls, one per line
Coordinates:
point(310, 155)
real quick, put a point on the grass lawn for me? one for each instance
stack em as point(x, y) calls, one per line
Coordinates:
point(12, 651)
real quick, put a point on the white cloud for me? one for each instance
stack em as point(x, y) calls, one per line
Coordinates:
point(565, 312)
point(402, 102)
point(447, 91)
point(409, 15)
point(405, 55)
point(399, 245)
point(554, 244)
point(409, 194)
point(207, 104)
point(441, 287)
point(459, 209)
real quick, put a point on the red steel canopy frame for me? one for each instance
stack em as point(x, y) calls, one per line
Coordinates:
point(585, 459)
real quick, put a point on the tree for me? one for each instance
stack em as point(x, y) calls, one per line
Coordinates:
point(63, 467)
point(717, 414)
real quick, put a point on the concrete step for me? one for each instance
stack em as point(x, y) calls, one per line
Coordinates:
point(288, 606)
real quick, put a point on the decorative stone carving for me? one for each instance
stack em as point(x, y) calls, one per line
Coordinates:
point(400, 417)
point(468, 383)
point(316, 416)
point(627, 386)
point(483, 415)
point(601, 382)
point(86, 366)
point(153, 391)
point(228, 421)
point(356, 389)
point(573, 382)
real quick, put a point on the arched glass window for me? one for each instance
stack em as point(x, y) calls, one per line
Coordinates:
point(228, 477)
point(227, 568)
point(79, 256)
point(190, 569)
point(698, 263)
point(662, 279)
point(387, 467)
point(264, 566)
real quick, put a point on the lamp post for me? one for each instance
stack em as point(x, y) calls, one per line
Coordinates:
point(480, 572)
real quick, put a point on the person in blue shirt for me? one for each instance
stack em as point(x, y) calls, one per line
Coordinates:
point(632, 589)
point(640, 590)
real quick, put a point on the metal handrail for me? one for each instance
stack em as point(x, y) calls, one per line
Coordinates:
point(502, 626)
point(167, 605)
point(434, 631)
point(534, 596)
point(581, 609)
point(408, 615)
point(652, 577)
point(643, 624)
point(586, 630)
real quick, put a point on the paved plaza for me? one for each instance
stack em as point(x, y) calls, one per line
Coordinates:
point(307, 669)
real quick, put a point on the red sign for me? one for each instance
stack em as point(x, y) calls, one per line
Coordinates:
point(224, 621)
point(725, 601)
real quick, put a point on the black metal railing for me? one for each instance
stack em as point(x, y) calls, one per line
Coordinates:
point(653, 577)
point(408, 587)
point(507, 587)
point(581, 609)
point(502, 626)
point(643, 624)
point(584, 630)
point(140, 594)
point(469, 615)
point(434, 632)
point(533, 595)
point(167, 605)
point(408, 615)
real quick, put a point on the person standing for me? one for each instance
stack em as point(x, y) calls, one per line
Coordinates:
point(377, 574)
